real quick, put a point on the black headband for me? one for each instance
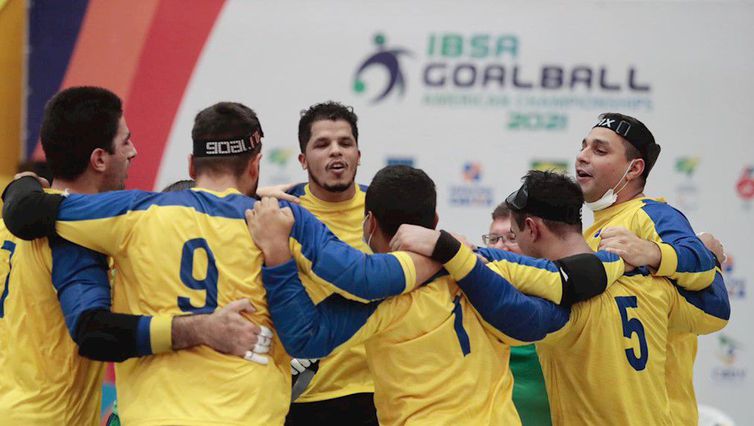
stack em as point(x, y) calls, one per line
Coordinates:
point(520, 201)
point(637, 135)
point(233, 146)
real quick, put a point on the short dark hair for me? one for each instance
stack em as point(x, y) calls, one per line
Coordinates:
point(501, 212)
point(329, 110)
point(556, 190)
point(225, 120)
point(77, 121)
point(180, 185)
point(401, 195)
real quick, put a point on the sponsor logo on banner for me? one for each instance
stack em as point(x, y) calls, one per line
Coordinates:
point(730, 368)
point(745, 186)
point(400, 161)
point(560, 166)
point(736, 285)
point(387, 60)
point(458, 69)
point(278, 158)
point(687, 192)
point(471, 193)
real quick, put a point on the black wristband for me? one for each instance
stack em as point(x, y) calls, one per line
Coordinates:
point(446, 247)
point(583, 277)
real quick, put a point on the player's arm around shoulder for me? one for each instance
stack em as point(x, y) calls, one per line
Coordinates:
point(511, 315)
point(28, 211)
point(348, 271)
point(684, 258)
point(701, 312)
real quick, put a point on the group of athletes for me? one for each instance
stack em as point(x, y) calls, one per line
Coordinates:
point(330, 302)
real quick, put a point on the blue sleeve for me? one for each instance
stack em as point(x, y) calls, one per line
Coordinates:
point(712, 301)
point(307, 330)
point(674, 229)
point(98, 206)
point(297, 190)
point(493, 254)
point(522, 317)
point(370, 277)
point(80, 277)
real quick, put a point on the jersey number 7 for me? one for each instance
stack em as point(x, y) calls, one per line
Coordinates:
point(10, 246)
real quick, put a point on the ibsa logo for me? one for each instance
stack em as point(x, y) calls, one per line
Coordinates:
point(736, 285)
point(728, 353)
point(559, 166)
point(471, 193)
point(745, 185)
point(279, 158)
point(687, 192)
point(491, 70)
point(400, 161)
point(389, 61)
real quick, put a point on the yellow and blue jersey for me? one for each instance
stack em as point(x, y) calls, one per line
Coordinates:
point(606, 363)
point(686, 261)
point(43, 379)
point(190, 252)
point(431, 338)
point(344, 372)
point(431, 359)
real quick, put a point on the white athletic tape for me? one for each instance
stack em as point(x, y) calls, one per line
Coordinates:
point(261, 349)
point(259, 359)
point(266, 332)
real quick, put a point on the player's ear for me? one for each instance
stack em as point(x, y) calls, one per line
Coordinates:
point(302, 160)
point(253, 168)
point(533, 228)
point(98, 160)
point(636, 169)
point(192, 168)
point(437, 219)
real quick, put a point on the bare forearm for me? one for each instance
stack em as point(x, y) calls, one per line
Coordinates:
point(188, 331)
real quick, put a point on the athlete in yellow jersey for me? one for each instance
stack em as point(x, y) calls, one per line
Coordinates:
point(189, 252)
point(606, 365)
point(44, 377)
point(338, 388)
point(430, 356)
point(612, 167)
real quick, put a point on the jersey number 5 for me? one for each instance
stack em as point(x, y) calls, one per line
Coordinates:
point(10, 246)
point(207, 284)
point(631, 326)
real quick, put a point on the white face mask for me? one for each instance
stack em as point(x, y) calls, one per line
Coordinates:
point(611, 196)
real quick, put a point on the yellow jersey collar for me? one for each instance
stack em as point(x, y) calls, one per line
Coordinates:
point(229, 191)
point(356, 199)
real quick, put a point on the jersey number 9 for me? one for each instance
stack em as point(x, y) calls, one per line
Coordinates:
point(207, 284)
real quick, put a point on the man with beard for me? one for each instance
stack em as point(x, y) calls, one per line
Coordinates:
point(338, 388)
point(55, 305)
point(181, 253)
point(611, 169)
